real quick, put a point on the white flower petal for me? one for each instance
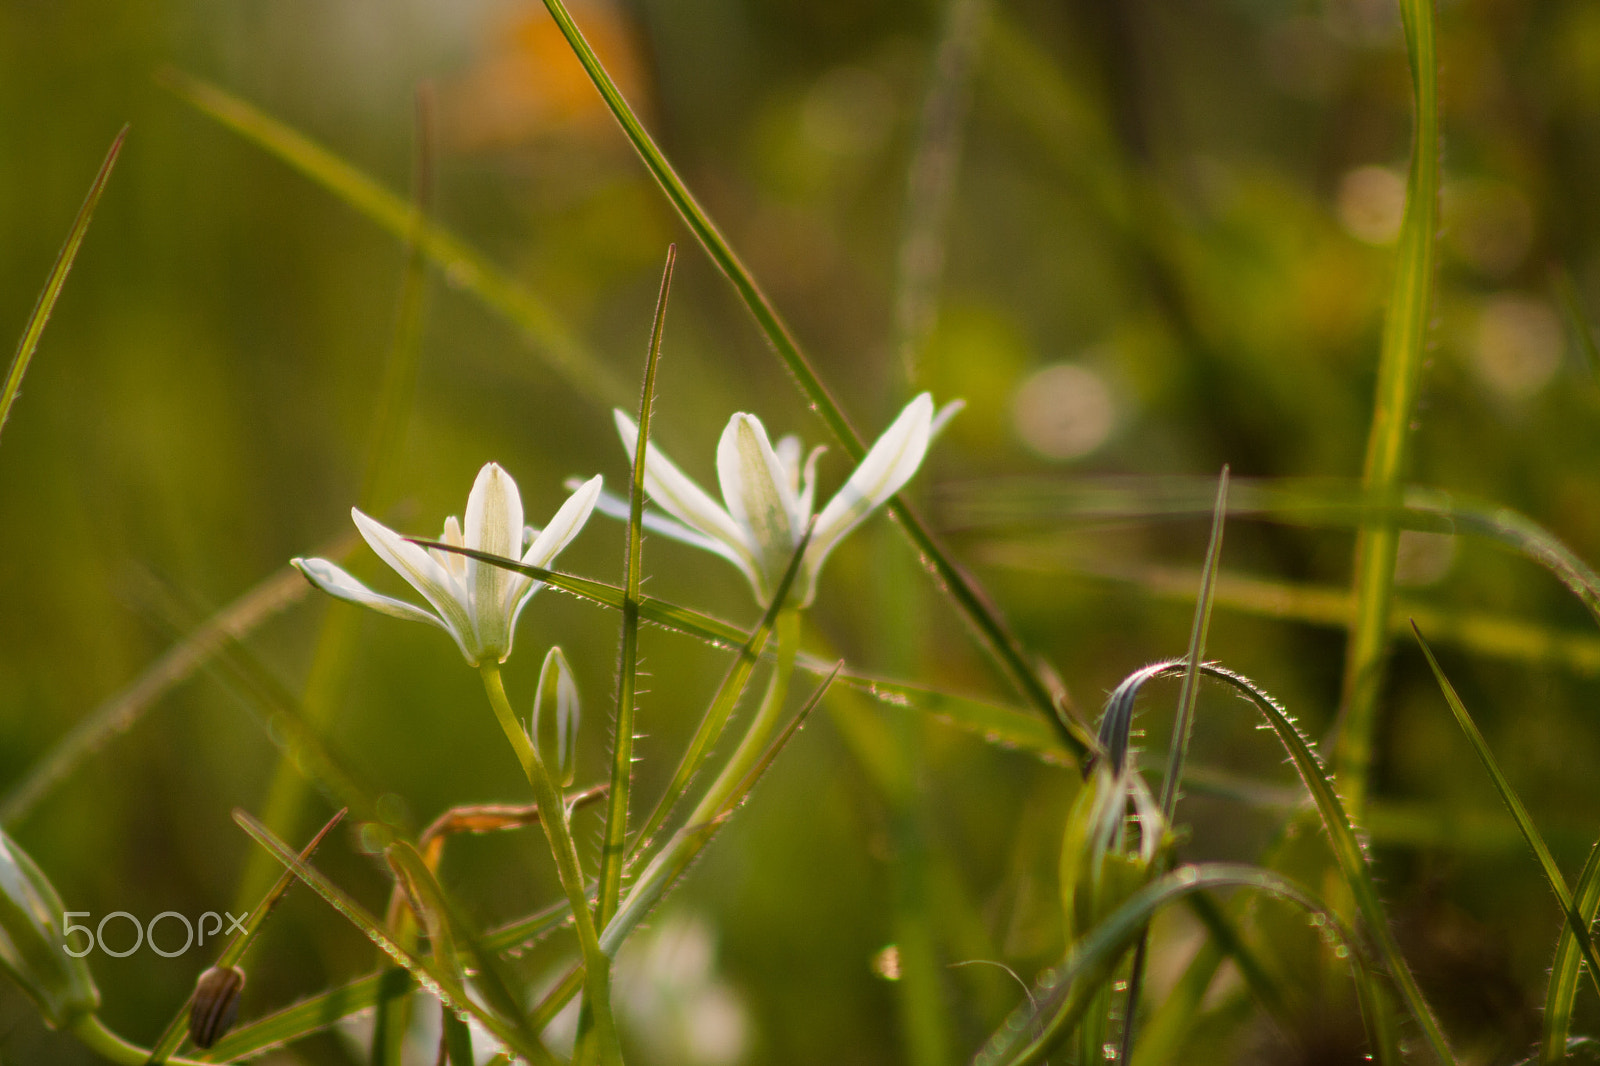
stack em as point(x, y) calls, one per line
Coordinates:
point(454, 565)
point(565, 524)
point(614, 506)
point(494, 525)
point(789, 451)
point(942, 419)
point(883, 470)
point(756, 489)
point(336, 581)
point(681, 497)
point(426, 576)
point(808, 484)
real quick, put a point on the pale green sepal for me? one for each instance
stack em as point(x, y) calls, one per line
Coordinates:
point(32, 946)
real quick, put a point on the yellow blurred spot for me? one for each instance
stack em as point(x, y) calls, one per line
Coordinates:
point(1372, 201)
point(1519, 345)
point(1064, 411)
point(527, 83)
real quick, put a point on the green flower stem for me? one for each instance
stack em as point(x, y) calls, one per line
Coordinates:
point(787, 630)
point(596, 966)
point(94, 1035)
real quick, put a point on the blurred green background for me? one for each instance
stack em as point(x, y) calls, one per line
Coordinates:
point(1162, 237)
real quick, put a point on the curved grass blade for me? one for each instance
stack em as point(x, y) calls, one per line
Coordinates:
point(1400, 363)
point(1508, 796)
point(1057, 1003)
point(234, 950)
point(1563, 988)
point(463, 267)
point(425, 972)
point(52, 286)
point(614, 842)
point(1347, 850)
point(120, 712)
point(996, 636)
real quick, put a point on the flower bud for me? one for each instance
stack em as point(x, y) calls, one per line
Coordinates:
point(32, 947)
point(555, 718)
point(215, 1004)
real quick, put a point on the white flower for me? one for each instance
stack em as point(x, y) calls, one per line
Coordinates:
point(769, 495)
point(476, 603)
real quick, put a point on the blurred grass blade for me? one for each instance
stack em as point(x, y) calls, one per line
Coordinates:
point(1513, 802)
point(615, 841)
point(1482, 632)
point(1318, 503)
point(463, 267)
point(1577, 322)
point(1563, 988)
point(664, 871)
point(119, 713)
point(729, 692)
point(1182, 728)
point(996, 636)
point(328, 674)
point(1035, 1028)
point(426, 973)
point(320, 1011)
point(237, 944)
point(1400, 363)
point(52, 286)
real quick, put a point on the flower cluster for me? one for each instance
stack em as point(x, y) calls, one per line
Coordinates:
point(768, 495)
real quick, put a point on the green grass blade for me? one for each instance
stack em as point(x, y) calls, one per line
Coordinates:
point(996, 636)
point(1035, 1028)
point(1563, 989)
point(463, 267)
point(52, 286)
point(1183, 726)
point(426, 973)
point(615, 841)
point(237, 944)
point(123, 710)
point(1400, 362)
point(667, 867)
point(1519, 812)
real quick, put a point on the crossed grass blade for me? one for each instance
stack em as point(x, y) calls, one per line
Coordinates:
point(233, 951)
point(1563, 988)
point(328, 1008)
point(34, 327)
point(425, 972)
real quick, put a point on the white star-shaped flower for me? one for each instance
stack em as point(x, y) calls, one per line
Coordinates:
point(769, 492)
point(474, 602)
